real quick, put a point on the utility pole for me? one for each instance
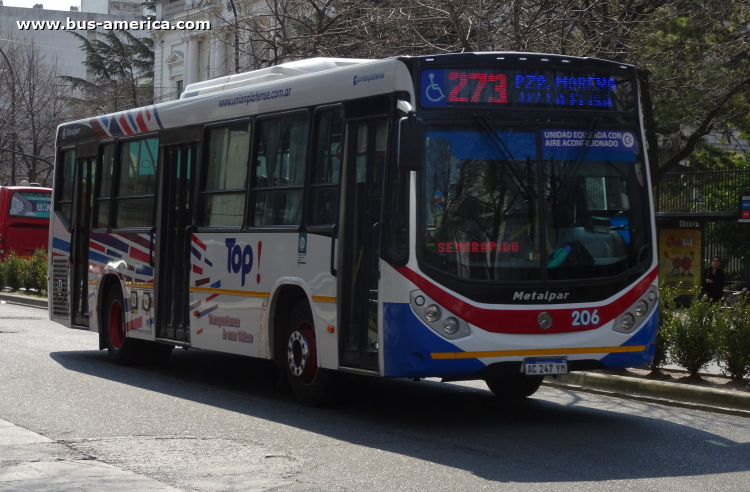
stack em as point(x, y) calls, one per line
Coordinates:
point(236, 38)
point(12, 118)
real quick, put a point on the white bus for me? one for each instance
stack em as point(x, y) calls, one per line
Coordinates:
point(464, 216)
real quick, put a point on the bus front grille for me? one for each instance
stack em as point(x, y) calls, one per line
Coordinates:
point(59, 288)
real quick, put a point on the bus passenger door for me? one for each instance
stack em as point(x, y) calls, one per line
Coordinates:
point(79, 241)
point(359, 275)
point(173, 232)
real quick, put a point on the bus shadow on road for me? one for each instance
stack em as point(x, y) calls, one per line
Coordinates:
point(555, 436)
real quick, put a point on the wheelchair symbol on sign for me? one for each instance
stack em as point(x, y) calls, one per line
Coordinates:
point(432, 88)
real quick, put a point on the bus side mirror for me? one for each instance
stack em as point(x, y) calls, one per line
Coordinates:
point(410, 143)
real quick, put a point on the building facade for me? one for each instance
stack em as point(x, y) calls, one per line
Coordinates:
point(183, 57)
point(59, 44)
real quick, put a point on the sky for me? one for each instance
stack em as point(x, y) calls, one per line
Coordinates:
point(48, 4)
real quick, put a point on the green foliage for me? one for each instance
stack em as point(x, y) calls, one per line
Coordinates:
point(29, 273)
point(38, 267)
point(733, 339)
point(123, 73)
point(12, 267)
point(26, 275)
point(664, 334)
point(693, 342)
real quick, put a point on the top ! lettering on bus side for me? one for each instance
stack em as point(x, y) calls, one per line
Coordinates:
point(239, 258)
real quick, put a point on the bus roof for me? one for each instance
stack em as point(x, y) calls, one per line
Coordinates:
point(285, 87)
point(292, 85)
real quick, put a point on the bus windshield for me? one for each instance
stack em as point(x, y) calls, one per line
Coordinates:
point(495, 209)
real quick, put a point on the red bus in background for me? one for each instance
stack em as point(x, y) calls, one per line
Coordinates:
point(24, 219)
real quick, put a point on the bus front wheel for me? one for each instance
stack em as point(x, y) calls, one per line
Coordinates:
point(514, 387)
point(121, 349)
point(312, 385)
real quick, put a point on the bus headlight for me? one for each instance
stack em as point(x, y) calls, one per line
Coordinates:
point(438, 318)
point(450, 325)
point(432, 313)
point(641, 308)
point(628, 320)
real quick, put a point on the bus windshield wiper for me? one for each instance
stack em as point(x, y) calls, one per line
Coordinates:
point(505, 153)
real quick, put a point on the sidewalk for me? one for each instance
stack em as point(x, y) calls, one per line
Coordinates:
point(661, 392)
point(24, 300)
point(30, 462)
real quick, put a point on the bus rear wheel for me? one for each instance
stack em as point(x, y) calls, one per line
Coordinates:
point(514, 387)
point(121, 349)
point(312, 385)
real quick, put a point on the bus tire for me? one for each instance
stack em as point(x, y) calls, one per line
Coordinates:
point(311, 385)
point(122, 350)
point(514, 387)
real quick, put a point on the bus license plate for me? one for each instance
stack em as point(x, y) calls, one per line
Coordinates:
point(543, 367)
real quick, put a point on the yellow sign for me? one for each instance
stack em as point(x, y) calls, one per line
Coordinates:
point(680, 258)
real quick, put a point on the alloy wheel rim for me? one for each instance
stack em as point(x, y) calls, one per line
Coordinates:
point(302, 353)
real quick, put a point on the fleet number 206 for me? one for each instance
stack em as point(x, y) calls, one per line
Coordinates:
point(584, 317)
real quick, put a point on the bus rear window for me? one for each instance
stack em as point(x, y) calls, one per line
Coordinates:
point(31, 205)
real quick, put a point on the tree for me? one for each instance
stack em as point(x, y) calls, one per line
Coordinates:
point(123, 73)
point(33, 108)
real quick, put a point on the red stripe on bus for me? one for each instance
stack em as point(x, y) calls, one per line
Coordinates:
point(135, 324)
point(525, 321)
point(197, 269)
point(139, 255)
point(124, 125)
point(97, 247)
point(199, 331)
point(199, 243)
point(202, 281)
point(141, 124)
point(211, 297)
point(137, 239)
point(100, 132)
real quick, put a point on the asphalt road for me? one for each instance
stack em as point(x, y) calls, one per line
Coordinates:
point(210, 422)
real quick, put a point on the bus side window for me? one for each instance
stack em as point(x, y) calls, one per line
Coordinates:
point(282, 147)
point(135, 195)
point(329, 144)
point(223, 198)
point(104, 191)
point(67, 180)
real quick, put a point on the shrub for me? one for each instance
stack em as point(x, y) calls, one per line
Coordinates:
point(733, 339)
point(693, 344)
point(664, 335)
point(12, 270)
point(29, 273)
point(39, 261)
point(26, 277)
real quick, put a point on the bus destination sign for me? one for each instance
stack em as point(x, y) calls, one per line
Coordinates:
point(525, 88)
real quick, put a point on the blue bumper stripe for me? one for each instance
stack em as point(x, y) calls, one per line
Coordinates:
point(408, 344)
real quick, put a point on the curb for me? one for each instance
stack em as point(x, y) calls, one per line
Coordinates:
point(711, 399)
point(24, 300)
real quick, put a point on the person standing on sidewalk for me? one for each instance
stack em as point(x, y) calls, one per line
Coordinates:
point(713, 282)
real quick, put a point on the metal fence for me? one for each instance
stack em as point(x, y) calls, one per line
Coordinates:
point(697, 191)
point(712, 191)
